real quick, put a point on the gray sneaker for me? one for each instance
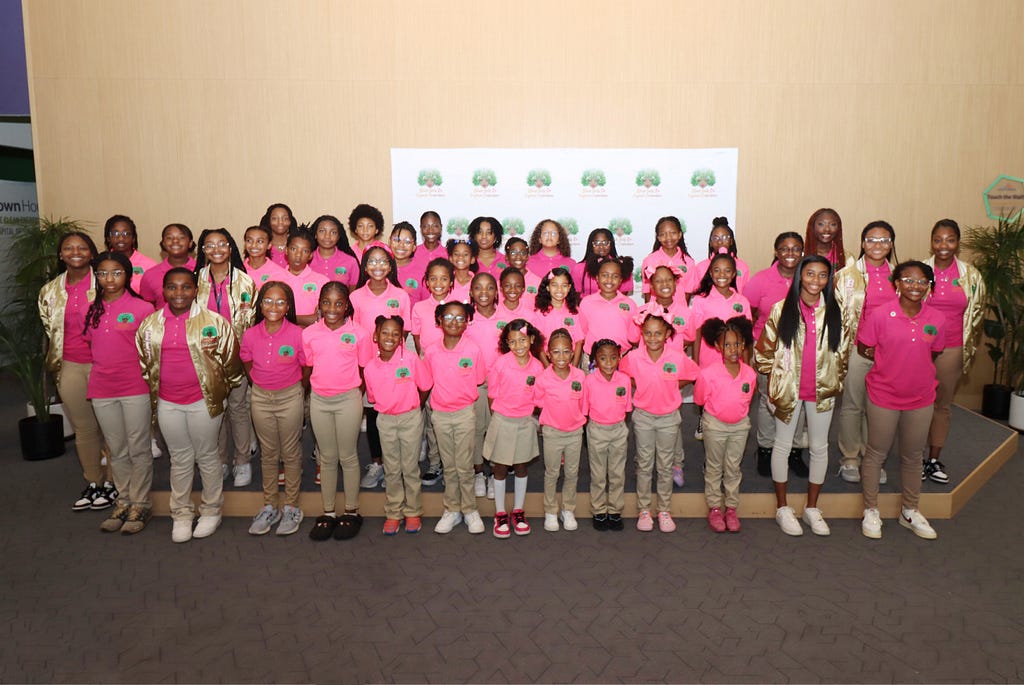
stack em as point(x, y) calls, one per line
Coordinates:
point(263, 521)
point(290, 520)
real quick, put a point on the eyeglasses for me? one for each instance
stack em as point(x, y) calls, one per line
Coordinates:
point(116, 274)
point(790, 250)
point(403, 241)
point(915, 281)
point(878, 241)
point(215, 246)
point(457, 318)
point(376, 262)
point(270, 302)
point(120, 234)
point(518, 253)
point(721, 238)
point(549, 234)
point(600, 243)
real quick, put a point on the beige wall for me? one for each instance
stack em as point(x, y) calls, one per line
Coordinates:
point(205, 112)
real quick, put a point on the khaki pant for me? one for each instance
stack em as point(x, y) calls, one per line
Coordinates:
point(191, 436)
point(483, 417)
point(606, 452)
point(400, 436)
point(456, 433)
point(561, 452)
point(277, 417)
point(72, 387)
point(949, 367)
point(126, 423)
point(656, 439)
point(433, 456)
point(883, 427)
point(336, 422)
point(238, 423)
point(724, 444)
point(853, 425)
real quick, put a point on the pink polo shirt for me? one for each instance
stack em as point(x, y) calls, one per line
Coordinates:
point(682, 321)
point(76, 349)
point(306, 288)
point(742, 273)
point(394, 386)
point(903, 376)
point(336, 356)
point(339, 267)
point(485, 331)
point(949, 297)
point(561, 401)
point(681, 260)
point(460, 291)
point(219, 301)
point(657, 382)
point(532, 282)
point(879, 291)
point(140, 265)
point(716, 306)
point(511, 387)
point(548, 322)
point(278, 255)
point(607, 401)
point(762, 291)
point(410, 277)
point(179, 383)
point(496, 267)
point(541, 264)
point(421, 257)
point(277, 358)
point(422, 322)
point(587, 284)
point(152, 287)
point(358, 251)
point(724, 397)
point(368, 306)
point(456, 372)
point(115, 359)
point(268, 272)
point(611, 319)
point(507, 315)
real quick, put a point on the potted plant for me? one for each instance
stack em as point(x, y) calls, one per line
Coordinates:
point(998, 254)
point(22, 340)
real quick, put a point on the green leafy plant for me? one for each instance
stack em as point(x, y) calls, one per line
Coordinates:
point(23, 341)
point(484, 178)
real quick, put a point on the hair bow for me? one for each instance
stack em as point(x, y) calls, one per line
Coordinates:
point(651, 308)
point(651, 268)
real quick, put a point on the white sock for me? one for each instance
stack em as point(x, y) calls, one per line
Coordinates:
point(499, 496)
point(520, 490)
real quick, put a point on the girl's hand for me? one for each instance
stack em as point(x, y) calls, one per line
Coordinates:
point(865, 351)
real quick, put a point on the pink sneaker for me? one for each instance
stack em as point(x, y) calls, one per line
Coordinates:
point(644, 521)
point(665, 522)
point(501, 527)
point(677, 476)
point(715, 520)
point(732, 521)
point(519, 524)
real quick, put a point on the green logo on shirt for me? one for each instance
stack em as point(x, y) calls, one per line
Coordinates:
point(501, 266)
point(682, 267)
point(532, 289)
point(246, 297)
point(577, 386)
point(465, 363)
point(209, 332)
point(501, 324)
point(737, 307)
point(392, 304)
point(136, 269)
point(746, 387)
point(126, 317)
point(340, 271)
point(669, 368)
point(530, 380)
point(620, 391)
point(678, 321)
point(568, 321)
point(931, 330)
point(286, 351)
point(411, 283)
point(624, 306)
point(264, 278)
point(348, 338)
point(401, 372)
point(309, 287)
point(956, 282)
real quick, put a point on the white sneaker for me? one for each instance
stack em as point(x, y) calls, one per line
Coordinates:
point(243, 475)
point(291, 517)
point(915, 521)
point(813, 518)
point(786, 519)
point(849, 473)
point(155, 448)
point(181, 531)
point(871, 526)
point(569, 520)
point(207, 526)
point(480, 485)
point(551, 522)
point(490, 488)
point(474, 522)
point(267, 517)
point(449, 520)
point(374, 476)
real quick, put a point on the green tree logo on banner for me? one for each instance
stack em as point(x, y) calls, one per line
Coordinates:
point(702, 178)
point(593, 178)
point(429, 178)
point(648, 178)
point(457, 226)
point(484, 178)
point(620, 226)
point(571, 226)
point(538, 178)
point(513, 226)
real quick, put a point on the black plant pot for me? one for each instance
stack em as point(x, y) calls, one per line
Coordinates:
point(995, 401)
point(43, 439)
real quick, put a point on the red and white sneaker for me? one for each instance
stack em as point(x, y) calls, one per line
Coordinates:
point(519, 524)
point(501, 527)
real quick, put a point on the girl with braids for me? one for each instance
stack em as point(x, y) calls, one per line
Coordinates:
point(600, 244)
point(280, 222)
point(557, 306)
point(257, 261)
point(486, 232)
point(722, 240)
point(333, 257)
point(824, 237)
point(669, 250)
point(305, 283)
point(120, 235)
point(608, 402)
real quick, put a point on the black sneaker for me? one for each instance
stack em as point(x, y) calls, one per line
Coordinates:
point(432, 475)
point(348, 526)
point(107, 494)
point(796, 463)
point(91, 492)
point(600, 521)
point(615, 522)
point(323, 528)
point(934, 470)
point(764, 461)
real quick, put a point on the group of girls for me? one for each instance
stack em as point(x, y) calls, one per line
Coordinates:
point(306, 324)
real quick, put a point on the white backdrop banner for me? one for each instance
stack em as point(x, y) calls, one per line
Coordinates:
point(625, 190)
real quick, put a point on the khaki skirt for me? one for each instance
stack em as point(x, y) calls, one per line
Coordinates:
point(511, 441)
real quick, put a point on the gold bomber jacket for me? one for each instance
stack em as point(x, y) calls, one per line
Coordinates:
point(851, 283)
point(974, 289)
point(53, 298)
point(241, 294)
point(212, 345)
point(782, 364)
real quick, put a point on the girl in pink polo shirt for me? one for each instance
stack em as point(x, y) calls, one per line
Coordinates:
point(333, 257)
point(511, 440)
point(431, 248)
point(397, 383)
point(600, 244)
point(722, 240)
point(456, 365)
point(438, 281)
point(484, 330)
point(557, 306)
point(402, 242)
point(608, 401)
point(117, 391)
point(549, 248)
point(669, 249)
point(120, 235)
point(367, 225)
point(336, 347)
point(485, 232)
point(279, 220)
point(561, 397)
point(305, 283)
point(512, 305)
point(275, 362)
point(658, 372)
point(462, 255)
point(177, 243)
point(725, 390)
point(610, 310)
point(257, 261)
point(824, 237)
point(517, 252)
point(904, 340)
